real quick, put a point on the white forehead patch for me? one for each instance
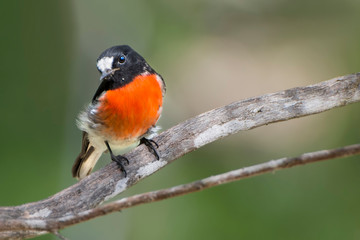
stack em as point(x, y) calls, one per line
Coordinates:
point(105, 64)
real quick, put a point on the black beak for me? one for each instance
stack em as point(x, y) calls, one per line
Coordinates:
point(107, 74)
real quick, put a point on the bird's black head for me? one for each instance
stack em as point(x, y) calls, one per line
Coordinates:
point(121, 64)
point(118, 66)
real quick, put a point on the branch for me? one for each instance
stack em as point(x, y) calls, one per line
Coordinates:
point(149, 197)
point(181, 139)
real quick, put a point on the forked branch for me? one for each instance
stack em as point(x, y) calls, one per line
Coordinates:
point(21, 221)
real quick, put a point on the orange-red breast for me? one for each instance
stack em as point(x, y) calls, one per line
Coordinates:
point(123, 111)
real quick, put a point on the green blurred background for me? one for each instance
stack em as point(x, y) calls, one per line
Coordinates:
point(210, 53)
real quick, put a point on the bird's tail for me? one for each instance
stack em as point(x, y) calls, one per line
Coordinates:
point(86, 160)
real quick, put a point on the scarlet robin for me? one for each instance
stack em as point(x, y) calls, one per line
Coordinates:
point(123, 111)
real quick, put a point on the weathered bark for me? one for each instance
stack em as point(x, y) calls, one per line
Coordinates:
point(181, 139)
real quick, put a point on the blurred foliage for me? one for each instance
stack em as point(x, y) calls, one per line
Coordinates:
point(212, 52)
point(35, 61)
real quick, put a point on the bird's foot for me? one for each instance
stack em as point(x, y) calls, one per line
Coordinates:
point(121, 161)
point(151, 144)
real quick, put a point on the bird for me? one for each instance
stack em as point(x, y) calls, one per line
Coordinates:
point(123, 112)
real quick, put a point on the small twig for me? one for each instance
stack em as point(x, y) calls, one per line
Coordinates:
point(57, 234)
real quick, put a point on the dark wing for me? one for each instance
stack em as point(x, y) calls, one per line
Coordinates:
point(163, 87)
point(82, 155)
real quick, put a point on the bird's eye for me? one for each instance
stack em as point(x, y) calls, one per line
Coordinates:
point(121, 59)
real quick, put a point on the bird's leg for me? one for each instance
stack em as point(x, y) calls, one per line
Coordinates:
point(120, 160)
point(150, 145)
